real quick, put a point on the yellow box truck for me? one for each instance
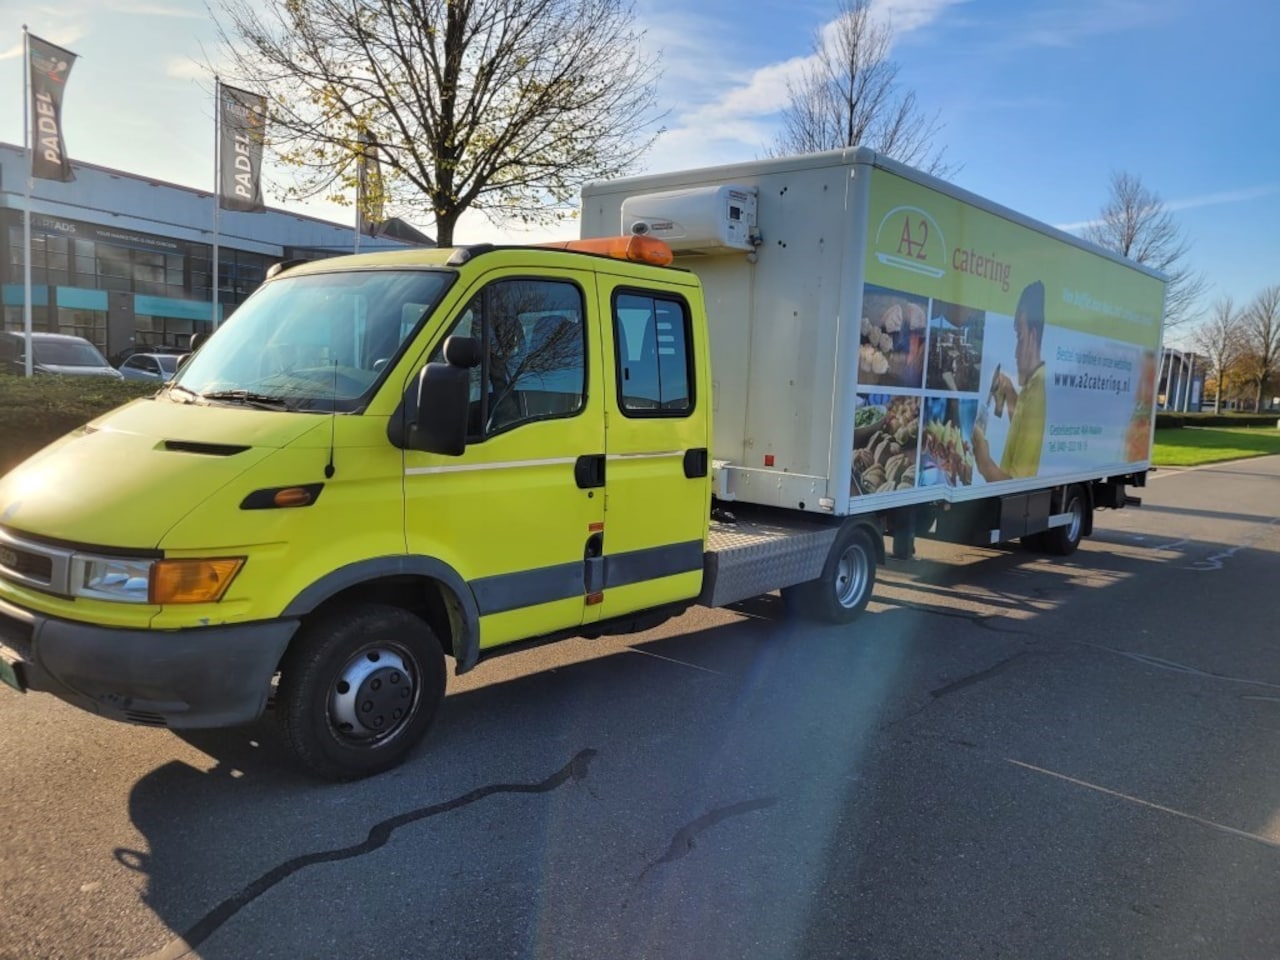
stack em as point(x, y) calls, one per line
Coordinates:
point(382, 461)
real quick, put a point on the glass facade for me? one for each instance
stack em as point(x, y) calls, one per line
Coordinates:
point(165, 283)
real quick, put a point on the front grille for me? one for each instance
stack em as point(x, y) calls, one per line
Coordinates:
point(34, 563)
point(26, 565)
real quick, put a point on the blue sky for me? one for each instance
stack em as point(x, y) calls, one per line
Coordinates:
point(1039, 101)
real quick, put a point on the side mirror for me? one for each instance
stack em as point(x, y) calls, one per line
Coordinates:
point(444, 396)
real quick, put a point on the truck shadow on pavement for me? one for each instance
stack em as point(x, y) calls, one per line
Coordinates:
point(524, 784)
point(632, 730)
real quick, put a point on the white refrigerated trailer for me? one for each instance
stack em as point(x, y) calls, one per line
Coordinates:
point(892, 350)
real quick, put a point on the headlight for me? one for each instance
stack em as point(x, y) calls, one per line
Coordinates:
point(153, 581)
point(111, 578)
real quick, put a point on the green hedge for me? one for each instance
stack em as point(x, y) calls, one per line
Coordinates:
point(1174, 421)
point(38, 411)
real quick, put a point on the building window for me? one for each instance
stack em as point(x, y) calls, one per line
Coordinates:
point(39, 318)
point(90, 324)
point(50, 258)
point(168, 331)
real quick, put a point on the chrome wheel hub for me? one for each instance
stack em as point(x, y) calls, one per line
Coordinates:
point(373, 697)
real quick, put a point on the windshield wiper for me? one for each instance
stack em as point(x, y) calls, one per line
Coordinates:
point(264, 400)
point(172, 387)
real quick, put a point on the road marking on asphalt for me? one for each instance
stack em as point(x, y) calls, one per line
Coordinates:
point(1223, 828)
point(1172, 665)
point(1216, 561)
point(1159, 473)
point(681, 663)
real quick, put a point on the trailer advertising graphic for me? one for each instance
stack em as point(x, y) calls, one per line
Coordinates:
point(992, 352)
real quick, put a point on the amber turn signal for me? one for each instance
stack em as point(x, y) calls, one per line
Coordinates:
point(292, 497)
point(193, 581)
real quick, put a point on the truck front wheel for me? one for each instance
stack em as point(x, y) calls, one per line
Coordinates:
point(844, 588)
point(358, 688)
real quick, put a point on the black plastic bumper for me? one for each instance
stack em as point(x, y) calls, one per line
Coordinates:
point(201, 677)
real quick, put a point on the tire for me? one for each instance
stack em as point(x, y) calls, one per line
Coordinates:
point(1063, 541)
point(359, 687)
point(845, 586)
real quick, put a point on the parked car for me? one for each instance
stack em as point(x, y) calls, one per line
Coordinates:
point(118, 359)
point(58, 353)
point(159, 367)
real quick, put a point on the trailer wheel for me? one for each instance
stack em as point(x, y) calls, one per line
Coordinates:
point(358, 688)
point(844, 588)
point(1064, 540)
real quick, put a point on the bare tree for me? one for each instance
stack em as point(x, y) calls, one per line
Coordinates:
point(1137, 224)
point(848, 96)
point(1262, 341)
point(503, 106)
point(1221, 339)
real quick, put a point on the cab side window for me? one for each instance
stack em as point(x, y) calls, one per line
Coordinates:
point(651, 341)
point(533, 344)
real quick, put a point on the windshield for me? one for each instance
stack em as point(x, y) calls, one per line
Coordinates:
point(68, 353)
point(168, 364)
point(317, 342)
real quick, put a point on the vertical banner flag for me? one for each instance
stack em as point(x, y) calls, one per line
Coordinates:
point(369, 201)
point(50, 66)
point(242, 117)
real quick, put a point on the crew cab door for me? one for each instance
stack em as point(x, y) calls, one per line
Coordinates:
point(657, 439)
point(515, 513)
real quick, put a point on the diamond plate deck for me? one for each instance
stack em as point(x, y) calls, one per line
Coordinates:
point(751, 558)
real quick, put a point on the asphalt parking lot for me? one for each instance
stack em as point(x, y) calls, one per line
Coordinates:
point(1009, 756)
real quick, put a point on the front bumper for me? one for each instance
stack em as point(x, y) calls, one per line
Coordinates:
point(199, 677)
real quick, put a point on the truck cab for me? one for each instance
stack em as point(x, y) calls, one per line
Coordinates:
point(378, 461)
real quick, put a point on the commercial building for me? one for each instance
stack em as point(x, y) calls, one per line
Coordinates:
point(124, 260)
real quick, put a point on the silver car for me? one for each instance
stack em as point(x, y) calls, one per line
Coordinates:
point(159, 367)
point(58, 353)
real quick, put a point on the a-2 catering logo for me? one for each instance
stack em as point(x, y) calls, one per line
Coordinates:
point(910, 239)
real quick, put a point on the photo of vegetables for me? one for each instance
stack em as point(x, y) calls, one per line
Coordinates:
point(1137, 440)
point(947, 447)
point(894, 326)
point(886, 442)
point(955, 348)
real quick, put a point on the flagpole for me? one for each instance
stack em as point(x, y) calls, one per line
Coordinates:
point(217, 195)
point(26, 208)
point(361, 186)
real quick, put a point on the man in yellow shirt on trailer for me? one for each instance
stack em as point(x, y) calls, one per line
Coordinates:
point(1021, 457)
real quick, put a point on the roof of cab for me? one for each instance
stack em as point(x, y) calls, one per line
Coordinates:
point(489, 254)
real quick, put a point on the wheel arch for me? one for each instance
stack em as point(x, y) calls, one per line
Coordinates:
point(875, 530)
point(425, 586)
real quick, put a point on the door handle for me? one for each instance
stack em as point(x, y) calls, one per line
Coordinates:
point(695, 463)
point(588, 471)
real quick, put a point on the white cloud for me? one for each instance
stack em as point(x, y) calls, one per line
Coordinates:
point(727, 114)
point(1228, 196)
point(137, 8)
point(184, 68)
point(1069, 25)
point(58, 37)
point(905, 16)
point(1193, 203)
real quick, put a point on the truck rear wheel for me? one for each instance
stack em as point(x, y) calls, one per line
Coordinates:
point(844, 588)
point(1064, 540)
point(358, 688)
